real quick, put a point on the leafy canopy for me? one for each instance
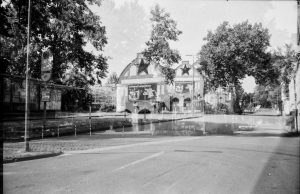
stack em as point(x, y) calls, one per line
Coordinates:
point(64, 27)
point(232, 52)
point(285, 60)
point(158, 51)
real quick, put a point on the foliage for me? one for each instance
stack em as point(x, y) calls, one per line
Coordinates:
point(81, 97)
point(267, 96)
point(219, 109)
point(113, 79)
point(232, 52)
point(247, 101)
point(108, 108)
point(285, 61)
point(63, 27)
point(158, 51)
point(222, 108)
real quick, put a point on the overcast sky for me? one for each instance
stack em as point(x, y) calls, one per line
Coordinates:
point(128, 26)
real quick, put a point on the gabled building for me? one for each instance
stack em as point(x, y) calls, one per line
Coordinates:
point(142, 86)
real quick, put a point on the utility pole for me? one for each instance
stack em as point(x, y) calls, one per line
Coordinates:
point(26, 139)
point(298, 26)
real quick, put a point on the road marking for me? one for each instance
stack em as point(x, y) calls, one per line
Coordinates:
point(272, 137)
point(172, 185)
point(139, 161)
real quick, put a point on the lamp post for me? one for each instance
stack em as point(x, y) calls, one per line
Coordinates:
point(193, 89)
point(26, 139)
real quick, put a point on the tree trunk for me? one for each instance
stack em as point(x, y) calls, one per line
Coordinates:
point(235, 101)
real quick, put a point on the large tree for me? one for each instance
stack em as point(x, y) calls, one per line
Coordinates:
point(232, 52)
point(64, 27)
point(158, 51)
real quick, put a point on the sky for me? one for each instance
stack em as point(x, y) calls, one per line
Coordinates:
point(128, 26)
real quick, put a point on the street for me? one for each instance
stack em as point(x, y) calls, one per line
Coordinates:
point(206, 164)
point(154, 97)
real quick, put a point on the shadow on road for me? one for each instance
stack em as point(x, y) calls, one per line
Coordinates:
point(281, 173)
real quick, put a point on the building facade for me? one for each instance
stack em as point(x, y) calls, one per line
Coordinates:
point(220, 96)
point(142, 87)
point(13, 94)
point(103, 96)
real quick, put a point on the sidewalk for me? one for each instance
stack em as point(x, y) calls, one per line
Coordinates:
point(48, 147)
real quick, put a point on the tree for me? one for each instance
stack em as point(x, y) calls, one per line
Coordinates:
point(247, 101)
point(158, 51)
point(267, 96)
point(113, 79)
point(232, 52)
point(64, 27)
point(285, 61)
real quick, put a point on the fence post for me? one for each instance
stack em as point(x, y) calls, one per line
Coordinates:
point(58, 130)
point(43, 132)
point(44, 119)
point(123, 129)
point(90, 119)
point(74, 125)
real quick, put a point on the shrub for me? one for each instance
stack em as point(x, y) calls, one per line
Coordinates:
point(108, 108)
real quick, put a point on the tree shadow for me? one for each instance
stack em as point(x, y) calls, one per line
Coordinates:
point(281, 172)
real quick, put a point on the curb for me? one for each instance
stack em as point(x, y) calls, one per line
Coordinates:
point(26, 158)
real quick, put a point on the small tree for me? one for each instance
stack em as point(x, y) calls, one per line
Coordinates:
point(158, 51)
point(113, 79)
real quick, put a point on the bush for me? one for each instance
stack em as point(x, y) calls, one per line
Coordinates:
point(126, 110)
point(108, 108)
point(222, 108)
point(219, 109)
point(144, 111)
point(208, 109)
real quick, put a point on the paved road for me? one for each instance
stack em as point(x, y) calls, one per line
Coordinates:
point(207, 164)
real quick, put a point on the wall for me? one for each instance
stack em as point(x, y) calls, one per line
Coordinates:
point(13, 95)
point(297, 87)
point(55, 100)
point(104, 95)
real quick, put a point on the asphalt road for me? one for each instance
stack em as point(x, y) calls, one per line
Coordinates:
point(207, 164)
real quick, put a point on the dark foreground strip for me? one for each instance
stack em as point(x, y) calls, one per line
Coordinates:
point(31, 157)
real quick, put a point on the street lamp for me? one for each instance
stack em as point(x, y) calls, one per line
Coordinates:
point(193, 89)
point(26, 80)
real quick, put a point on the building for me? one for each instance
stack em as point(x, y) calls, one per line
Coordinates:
point(217, 97)
point(142, 87)
point(13, 94)
point(297, 93)
point(292, 105)
point(103, 96)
